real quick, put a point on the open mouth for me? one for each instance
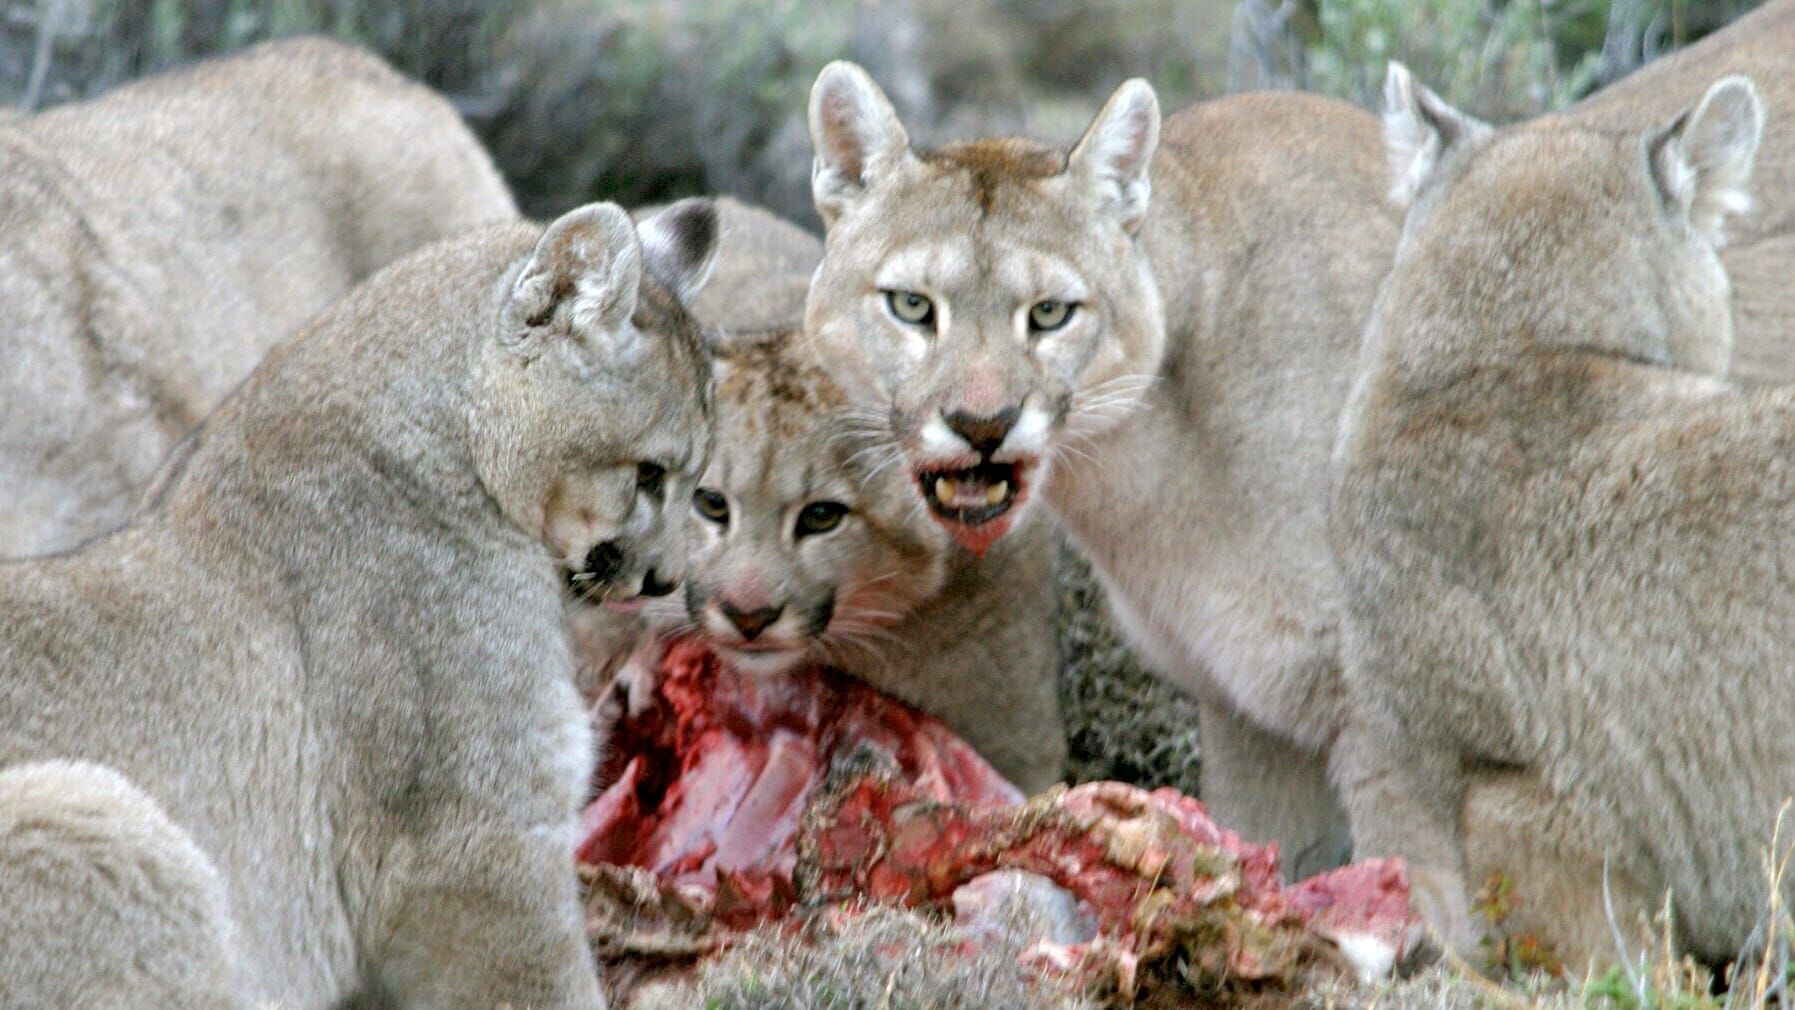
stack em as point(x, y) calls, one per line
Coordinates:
point(976, 503)
point(974, 495)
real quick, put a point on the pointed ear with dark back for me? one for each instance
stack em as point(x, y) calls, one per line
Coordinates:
point(581, 280)
point(1113, 156)
point(1419, 130)
point(679, 245)
point(1702, 161)
point(856, 134)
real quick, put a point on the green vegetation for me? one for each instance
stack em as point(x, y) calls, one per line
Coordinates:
point(647, 100)
point(1502, 59)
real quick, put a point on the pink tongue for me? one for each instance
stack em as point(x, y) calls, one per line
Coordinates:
point(977, 539)
point(969, 493)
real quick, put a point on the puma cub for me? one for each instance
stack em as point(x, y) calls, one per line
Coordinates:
point(804, 521)
point(158, 239)
point(813, 548)
point(1152, 333)
point(304, 732)
point(759, 271)
point(1563, 532)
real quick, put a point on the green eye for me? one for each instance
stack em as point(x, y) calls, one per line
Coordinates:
point(711, 505)
point(651, 479)
point(1049, 315)
point(820, 517)
point(911, 307)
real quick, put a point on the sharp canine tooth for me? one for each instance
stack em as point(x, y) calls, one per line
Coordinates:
point(996, 493)
point(944, 490)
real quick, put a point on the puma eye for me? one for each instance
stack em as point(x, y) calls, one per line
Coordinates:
point(820, 517)
point(1049, 315)
point(651, 479)
point(911, 307)
point(711, 505)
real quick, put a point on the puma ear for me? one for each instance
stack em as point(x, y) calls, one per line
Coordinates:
point(1419, 128)
point(856, 134)
point(581, 279)
point(1702, 161)
point(679, 245)
point(1115, 151)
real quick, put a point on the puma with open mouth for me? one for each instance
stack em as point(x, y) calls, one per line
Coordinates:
point(974, 495)
point(977, 504)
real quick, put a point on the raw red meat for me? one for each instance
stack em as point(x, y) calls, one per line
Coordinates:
point(731, 799)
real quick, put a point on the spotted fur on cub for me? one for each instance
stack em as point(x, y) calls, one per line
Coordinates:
point(812, 548)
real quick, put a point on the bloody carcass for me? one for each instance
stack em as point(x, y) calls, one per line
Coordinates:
point(733, 802)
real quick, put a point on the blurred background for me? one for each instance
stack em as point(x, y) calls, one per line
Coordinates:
point(647, 100)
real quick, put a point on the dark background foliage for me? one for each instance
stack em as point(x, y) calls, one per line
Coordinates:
point(646, 100)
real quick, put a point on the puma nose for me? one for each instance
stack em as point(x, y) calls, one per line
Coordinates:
point(605, 561)
point(986, 433)
point(750, 622)
point(653, 586)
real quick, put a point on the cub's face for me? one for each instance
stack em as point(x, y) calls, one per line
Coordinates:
point(593, 413)
point(1609, 237)
point(808, 543)
point(988, 304)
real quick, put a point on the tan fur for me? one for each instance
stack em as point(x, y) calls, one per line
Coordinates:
point(1266, 235)
point(329, 656)
point(1760, 250)
point(969, 640)
point(1760, 258)
point(885, 595)
point(154, 242)
point(1563, 533)
point(1187, 450)
point(139, 907)
point(764, 263)
point(1519, 835)
point(1536, 847)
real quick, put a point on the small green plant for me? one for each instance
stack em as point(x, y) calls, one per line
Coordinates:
point(1514, 956)
point(1683, 987)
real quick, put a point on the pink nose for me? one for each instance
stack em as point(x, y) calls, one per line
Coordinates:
point(980, 390)
point(750, 622)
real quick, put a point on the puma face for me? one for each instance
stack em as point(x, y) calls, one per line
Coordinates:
point(594, 419)
point(988, 302)
point(808, 545)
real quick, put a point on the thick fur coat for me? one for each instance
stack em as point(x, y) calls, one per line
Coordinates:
point(305, 731)
point(157, 240)
point(1563, 531)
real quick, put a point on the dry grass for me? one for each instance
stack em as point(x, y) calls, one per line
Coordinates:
point(884, 959)
point(1646, 975)
point(878, 959)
